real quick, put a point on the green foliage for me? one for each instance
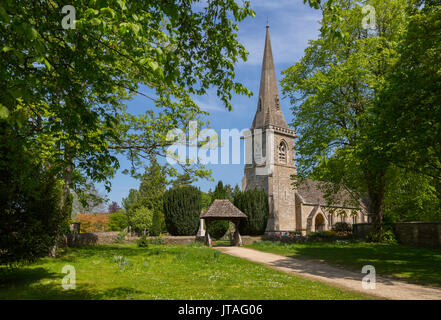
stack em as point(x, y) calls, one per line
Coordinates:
point(141, 220)
point(254, 203)
point(134, 44)
point(149, 196)
point(205, 200)
point(333, 90)
point(182, 208)
point(158, 224)
point(143, 242)
point(117, 221)
point(120, 238)
point(409, 104)
point(218, 228)
point(342, 227)
point(32, 214)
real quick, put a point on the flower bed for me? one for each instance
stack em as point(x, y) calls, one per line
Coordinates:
point(297, 237)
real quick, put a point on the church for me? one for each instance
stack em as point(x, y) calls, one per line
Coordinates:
point(302, 208)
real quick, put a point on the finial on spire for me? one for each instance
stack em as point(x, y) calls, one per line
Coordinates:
point(267, 22)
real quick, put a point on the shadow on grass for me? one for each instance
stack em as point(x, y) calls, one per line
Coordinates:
point(22, 284)
point(414, 265)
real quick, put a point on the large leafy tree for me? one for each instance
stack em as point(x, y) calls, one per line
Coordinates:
point(408, 113)
point(64, 89)
point(67, 86)
point(333, 91)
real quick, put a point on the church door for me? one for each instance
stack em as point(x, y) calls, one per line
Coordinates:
point(319, 223)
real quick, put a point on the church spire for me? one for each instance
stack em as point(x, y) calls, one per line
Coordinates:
point(268, 105)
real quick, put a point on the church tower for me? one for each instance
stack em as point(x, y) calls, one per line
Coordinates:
point(270, 131)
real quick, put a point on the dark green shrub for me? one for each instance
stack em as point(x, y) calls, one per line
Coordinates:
point(218, 228)
point(31, 215)
point(342, 227)
point(158, 224)
point(182, 208)
point(254, 203)
point(323, 234)
point(142, 242)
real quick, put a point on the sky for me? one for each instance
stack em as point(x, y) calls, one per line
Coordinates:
point(292, 25)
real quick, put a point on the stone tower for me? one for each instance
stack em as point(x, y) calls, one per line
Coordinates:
point(269, 130)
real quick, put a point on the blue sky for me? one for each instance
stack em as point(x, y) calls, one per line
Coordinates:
point(292, 25)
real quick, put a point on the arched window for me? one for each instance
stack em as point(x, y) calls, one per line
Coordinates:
point(259, 106)
point(282, 151)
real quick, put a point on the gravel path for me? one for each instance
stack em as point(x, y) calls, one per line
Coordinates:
point(385, 288)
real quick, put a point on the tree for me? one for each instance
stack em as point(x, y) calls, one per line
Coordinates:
point(150, 194)
point(141, 220)
point(31, 217)
point(118, 220)
point(408, 120)
point(173, 48)
point(254, 203)
point(113, 207)
point(65, 88)
point(182, 208)
point(182, 180)
point(333, 90)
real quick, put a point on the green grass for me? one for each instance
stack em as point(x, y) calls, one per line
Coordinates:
point(416, 265)
point(159, 272)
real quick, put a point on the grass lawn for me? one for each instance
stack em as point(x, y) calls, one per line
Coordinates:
point(158, 272)
point(416, 265)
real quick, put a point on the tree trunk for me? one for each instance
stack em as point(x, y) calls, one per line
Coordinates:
point(376, 190)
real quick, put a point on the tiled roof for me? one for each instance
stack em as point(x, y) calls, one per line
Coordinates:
point(223, 209)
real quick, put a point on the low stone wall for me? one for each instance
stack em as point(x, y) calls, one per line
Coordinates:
point(250, 239)
point(93, 238)
point(361, 230)
point(100, 238)
point(424, 234)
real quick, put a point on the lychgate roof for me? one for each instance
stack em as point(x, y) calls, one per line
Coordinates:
point(222, 209)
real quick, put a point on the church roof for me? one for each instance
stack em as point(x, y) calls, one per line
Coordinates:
point(222, 209)
point(268, 111)
point(311, 192)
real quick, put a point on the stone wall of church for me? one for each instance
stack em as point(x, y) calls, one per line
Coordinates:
point(307, 215)
point(284, 198)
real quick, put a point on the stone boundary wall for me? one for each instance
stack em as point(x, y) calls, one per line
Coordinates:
point(423, 234)
point(101, 238)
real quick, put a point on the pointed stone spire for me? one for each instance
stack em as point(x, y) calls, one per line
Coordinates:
point(268, 105)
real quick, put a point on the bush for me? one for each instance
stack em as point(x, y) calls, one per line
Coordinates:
point(141, 220)
point(182, 208)
point(143, 242)
point(158, 224)
point(323, 234)
point(388, 237)
point(217, 229)
point(254, 203)
point(342, 227)
point(117, 221)
point(93, 222)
